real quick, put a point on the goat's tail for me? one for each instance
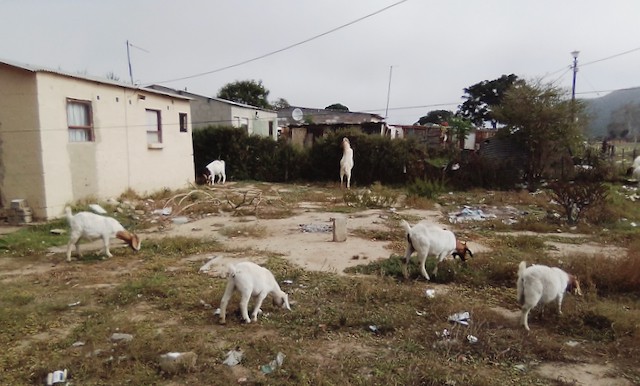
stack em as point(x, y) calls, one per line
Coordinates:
point(405, 226)
point(231, 271)
point(520, 283)
point(68, 213)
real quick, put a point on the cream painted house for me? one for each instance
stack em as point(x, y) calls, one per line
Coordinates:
point(67, 137)
point(210, 111)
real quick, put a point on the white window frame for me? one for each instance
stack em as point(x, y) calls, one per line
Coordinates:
point(80, 120)
point(154, 126)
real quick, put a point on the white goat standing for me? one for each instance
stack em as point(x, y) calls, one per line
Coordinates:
point(216, 169)
point(430, 239)
point(543, 284)
point(93, 226)
point(346, 162)
point(251, 280)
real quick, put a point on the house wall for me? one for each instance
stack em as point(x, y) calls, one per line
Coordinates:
point(207, 112)
point(54, 172)
point(20, 147)
point(210, 112)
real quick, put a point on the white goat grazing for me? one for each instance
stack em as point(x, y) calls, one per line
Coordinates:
point(251, 280)
point(636, 162)
point(216, 169)
point(93, 226)
point(346, 162)
point(543, 284)
point(430, 239)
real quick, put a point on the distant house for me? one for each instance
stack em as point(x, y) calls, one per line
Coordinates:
point(301, 125)
point(434, 135)
point(210, 111)
point(67, 137)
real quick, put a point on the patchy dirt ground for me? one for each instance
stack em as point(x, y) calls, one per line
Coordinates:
point(315, 250)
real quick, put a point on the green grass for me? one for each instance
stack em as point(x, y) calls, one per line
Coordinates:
point(372, 326)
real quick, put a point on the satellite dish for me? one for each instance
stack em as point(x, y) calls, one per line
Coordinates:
point(296, 114)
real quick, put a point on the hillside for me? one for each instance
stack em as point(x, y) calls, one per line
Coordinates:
point(609, 111)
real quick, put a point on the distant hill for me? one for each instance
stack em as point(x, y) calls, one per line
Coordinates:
point(617, 112)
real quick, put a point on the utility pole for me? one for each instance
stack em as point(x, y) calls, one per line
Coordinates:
point(386, 111)
point(129, 61)
point(575, 71)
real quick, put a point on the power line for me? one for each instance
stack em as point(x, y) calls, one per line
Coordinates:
point(287, 47)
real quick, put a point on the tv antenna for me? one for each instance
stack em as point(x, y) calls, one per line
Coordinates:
point(129, 58)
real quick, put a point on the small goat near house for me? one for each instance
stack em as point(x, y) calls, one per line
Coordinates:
point(94, 226)
point(216, 169)
point(542, 284)
point(346, 162)
point(430, 239)
point(251, 280)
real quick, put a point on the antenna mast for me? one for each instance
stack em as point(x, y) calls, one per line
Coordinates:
point(386, 111)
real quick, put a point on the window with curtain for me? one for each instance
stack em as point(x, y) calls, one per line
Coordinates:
point(154, 128)
point(79, 120)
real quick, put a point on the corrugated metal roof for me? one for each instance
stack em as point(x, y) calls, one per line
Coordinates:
point(197, 96)
point(90, 78)
point(325, 117)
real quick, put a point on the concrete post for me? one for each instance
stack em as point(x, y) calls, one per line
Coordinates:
point(339, 228)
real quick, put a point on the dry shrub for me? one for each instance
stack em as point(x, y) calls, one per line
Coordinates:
point(610, 275)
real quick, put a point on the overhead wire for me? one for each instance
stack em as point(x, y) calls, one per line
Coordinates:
point(287, 47)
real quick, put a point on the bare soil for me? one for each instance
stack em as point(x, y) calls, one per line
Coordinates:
point(316, 250)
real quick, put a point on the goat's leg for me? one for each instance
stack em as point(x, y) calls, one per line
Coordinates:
point(244, 306)
point(423, 260)
point(407, 257)
point(105, 240)
point(228, 291)
point(441, 257)
point(560, 304)
point(525, 317)
point(349, 181)
point(73, 241)
point(257, 306)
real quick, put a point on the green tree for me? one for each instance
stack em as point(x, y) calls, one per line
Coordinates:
point(482, 96)
point(337, 107)
point(544, 121)
point(436, 116)
point(460, 128)
point(280, 104)
point(248, 92)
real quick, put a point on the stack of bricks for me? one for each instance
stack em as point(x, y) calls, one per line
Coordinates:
point(19, 213)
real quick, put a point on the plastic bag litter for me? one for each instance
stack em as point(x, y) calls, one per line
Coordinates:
point(472, 339)
point(274, 364)
point(431, 293)
point(233, 357)
point(58, 377)
point(460, 317)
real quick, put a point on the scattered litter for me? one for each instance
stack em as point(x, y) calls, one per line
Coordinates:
point(445, 334)
point(274, 364)
point(431, 293)
point(522, 368)
point(116, 336)
point(633, 224)
point(468, 214)
point(288, 281)
point(180, 220)
point(373, 328)
point(73, 304)
point(572, 343)
point(233, 357)
point(460, 317)
point(420, 313)
point(97, 209)
point(217, 311)
point(207, 266)
point(57, 231)
point(58, 377)
point(77, 344)
point(316, 228)
point(472, 339)
point(175, 362)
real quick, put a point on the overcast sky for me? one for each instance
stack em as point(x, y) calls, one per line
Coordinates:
point(428, 51)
